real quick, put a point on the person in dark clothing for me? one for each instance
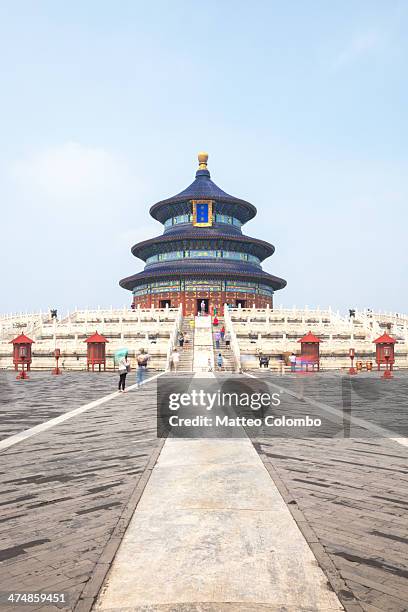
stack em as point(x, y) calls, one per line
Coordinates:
point(263, 361)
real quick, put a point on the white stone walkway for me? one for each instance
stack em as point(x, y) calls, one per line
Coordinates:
point(211, 532)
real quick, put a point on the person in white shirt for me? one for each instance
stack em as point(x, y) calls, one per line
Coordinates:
point(142, 361)
point(175, 358)
point(292, 360)
point(123, 368)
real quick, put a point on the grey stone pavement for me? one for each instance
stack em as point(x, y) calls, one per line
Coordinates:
point(67, 494)
point(25, 403)
point(64, 492)
point(350, 496)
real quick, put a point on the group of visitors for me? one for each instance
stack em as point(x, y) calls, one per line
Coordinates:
point(183, 338)
point(142, 360)
point(222, 336)
point(175, 355)
point(264, 361)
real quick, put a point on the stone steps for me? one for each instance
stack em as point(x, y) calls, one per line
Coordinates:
point(187, 352)
point(227, 354)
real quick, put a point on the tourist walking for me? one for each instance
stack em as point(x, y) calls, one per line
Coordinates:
point(292, 360)
point(202, 307)
point(222, 332)
point(181, 339)
point(217, 339)
point(219, 361)
point(142, 361)
point(227, 339)
point(175, 358)
point(123, 369)
point(215, 321)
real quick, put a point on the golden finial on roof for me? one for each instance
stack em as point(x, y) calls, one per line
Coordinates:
point(202, 160)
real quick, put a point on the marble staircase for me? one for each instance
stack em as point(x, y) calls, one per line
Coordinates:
point(187, 352)
point(228, 361)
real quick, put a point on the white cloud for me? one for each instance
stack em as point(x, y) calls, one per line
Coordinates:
point(360, 45)
point(76, 176)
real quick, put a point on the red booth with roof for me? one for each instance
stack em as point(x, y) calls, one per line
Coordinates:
point(310, 350)
point(22, 351)
point(384, 351)
point(96, 351)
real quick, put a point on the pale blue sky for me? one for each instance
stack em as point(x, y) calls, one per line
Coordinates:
point(302, 107)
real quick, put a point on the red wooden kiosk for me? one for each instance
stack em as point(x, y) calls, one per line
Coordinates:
point(96, 351)
point(310, 351)
point(384, 353)
point(22, 354)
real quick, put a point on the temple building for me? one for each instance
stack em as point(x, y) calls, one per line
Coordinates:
point(202, 255)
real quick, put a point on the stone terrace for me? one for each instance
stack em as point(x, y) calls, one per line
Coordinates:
point(152, 329)
point(275, 332)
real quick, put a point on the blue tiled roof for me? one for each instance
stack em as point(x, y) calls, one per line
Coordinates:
point(229, 270)
point(203, 188)
point(177, 241)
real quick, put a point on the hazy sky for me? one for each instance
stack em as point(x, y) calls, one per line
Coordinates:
point(302, 107)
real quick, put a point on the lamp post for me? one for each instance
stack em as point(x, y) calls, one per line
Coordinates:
point(352, 354)
point(57, 355)
point(387, 355)
point(22, 354)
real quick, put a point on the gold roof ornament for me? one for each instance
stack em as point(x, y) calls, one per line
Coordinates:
point(202, 160)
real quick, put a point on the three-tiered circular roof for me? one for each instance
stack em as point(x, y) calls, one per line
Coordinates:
point(187, 237)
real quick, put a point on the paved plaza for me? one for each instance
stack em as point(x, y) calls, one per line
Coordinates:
point(64, 492)
point(97, 500)
point(350, 496)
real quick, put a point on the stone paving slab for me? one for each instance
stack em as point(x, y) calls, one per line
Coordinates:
point(25, 403)
point(209, 536)
point(353, 496)
point(65, 491)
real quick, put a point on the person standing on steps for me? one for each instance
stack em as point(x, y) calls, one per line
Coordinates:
point(217, 339)
point(219, 361)
point(181, 339)
point(123, 369)
point(222, 332)
point(142, 361)
point(175, 358)
point(227, 339)
point(202, 307)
